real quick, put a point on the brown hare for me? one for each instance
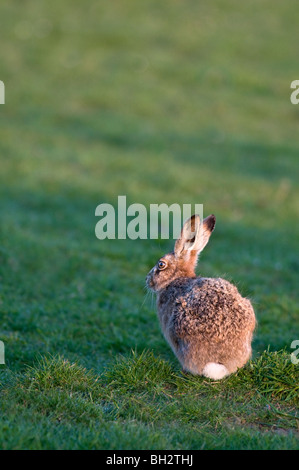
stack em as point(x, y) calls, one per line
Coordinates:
point(206, 321)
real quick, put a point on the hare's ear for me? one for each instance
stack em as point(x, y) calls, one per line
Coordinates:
point(194, 236)
point(188, 235)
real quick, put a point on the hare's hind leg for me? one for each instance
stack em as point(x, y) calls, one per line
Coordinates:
point(215, 371)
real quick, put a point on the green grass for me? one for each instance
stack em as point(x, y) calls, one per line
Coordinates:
point(174, 102)
point(143, 396)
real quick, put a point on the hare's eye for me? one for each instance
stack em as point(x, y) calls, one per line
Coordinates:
point(162, 265)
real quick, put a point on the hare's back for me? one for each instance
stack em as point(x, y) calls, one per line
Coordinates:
point(209, 304)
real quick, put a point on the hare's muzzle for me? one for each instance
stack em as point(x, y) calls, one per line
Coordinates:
point(149, 279)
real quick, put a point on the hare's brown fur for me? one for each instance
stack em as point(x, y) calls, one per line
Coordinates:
point(206, 321)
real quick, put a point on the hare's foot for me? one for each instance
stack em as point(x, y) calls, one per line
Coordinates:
point(215, 371)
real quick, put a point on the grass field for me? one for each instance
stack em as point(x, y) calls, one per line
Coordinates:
point(174, 102)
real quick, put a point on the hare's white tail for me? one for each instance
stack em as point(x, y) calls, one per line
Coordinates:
point(215, 371)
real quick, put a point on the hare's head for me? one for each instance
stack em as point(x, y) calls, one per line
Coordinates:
point(182, 261)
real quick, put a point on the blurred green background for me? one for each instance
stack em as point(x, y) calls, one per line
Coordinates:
point(174, 102)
